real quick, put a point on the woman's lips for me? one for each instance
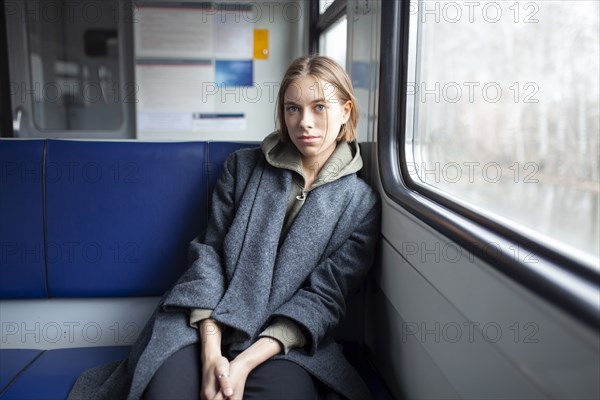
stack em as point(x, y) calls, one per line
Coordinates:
point(308, 139)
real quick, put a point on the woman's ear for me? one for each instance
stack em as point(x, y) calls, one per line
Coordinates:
point(347, 108)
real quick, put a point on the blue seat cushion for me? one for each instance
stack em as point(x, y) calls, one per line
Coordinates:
point(13, 361)
point(53, 374)
point(22, 268)
point(120, 215)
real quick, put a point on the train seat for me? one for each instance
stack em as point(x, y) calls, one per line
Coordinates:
point(94, 221)
point(21, 219)
point(53, 372)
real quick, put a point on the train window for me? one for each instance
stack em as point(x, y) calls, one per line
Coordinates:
point(328, 30)
point(70, 69)
point(77, 68)
point(332, 42)
point(503, 114)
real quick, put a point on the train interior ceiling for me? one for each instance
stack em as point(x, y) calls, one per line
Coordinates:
point(479, 127)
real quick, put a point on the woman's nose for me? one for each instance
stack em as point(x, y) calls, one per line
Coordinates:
point(307, 120)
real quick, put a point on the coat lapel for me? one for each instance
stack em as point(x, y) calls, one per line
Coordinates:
point(309, 235)
point(251, 248)
point(259, 215)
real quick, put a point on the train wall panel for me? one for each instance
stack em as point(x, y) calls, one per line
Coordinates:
point(407, 368)
point(490, 336)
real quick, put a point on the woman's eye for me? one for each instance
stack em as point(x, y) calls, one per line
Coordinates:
point(320, 107)
point(292, 109)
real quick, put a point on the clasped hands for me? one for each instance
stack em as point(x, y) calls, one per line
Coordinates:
point(223, 379)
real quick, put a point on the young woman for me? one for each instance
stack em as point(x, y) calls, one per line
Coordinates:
point(292, 233)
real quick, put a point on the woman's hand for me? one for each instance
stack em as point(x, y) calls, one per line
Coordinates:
point(236, 381)
point(215, 367)
point(241, 366)
point(216, 378)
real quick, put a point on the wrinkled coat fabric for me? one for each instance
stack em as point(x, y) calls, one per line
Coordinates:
point(243, 274)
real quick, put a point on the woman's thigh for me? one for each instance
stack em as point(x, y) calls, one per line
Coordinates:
point(179, 378)
point(280, 379)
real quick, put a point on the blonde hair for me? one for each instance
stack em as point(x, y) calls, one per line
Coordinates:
point(323, 69)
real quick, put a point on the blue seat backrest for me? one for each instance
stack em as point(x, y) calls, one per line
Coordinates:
point(102, 219)
point(22, 266)
point(120, 215)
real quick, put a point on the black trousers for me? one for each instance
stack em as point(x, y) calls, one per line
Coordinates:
point(180, 375)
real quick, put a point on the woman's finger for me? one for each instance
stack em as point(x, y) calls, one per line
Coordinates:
point(237, 378)
point(236, 394)
point(210, 386)
point(219, 394)
point(223, 381)
point(226, 385)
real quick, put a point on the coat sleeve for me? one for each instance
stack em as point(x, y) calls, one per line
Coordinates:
point(203, 284)
point(319, 305)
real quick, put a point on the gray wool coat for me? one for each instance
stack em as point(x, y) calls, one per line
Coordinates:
point(243, 273)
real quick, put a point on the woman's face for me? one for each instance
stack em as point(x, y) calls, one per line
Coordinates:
point(314, 115)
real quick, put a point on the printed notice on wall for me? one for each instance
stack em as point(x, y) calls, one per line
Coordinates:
point(186, 53)
point(234, 37)
point(175, 87)
point(178, 32)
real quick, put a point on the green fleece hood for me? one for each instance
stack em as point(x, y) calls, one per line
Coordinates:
point(344, 160)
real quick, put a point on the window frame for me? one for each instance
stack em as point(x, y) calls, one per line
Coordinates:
point(319, 23)
point(6, 113)
point(553, 275)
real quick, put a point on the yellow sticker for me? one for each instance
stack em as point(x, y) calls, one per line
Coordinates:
point(261, 44)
